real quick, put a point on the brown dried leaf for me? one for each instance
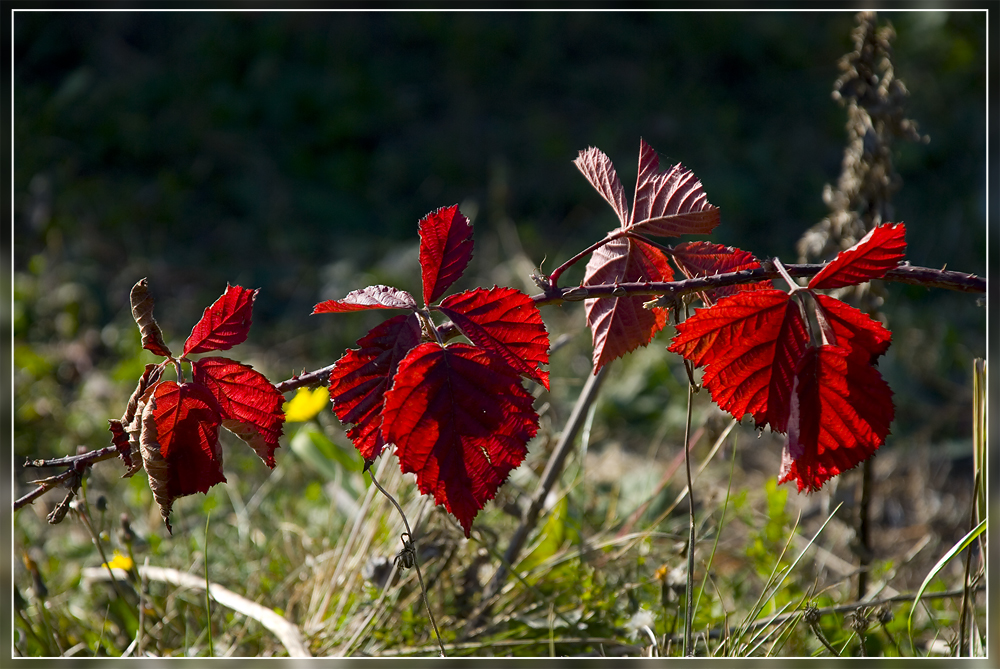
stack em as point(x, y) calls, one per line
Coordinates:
point(142, 312)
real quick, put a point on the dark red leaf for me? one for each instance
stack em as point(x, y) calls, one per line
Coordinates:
point(142, 312)
point(372, 297)
point(180, 443)
point(669, 204)
point(750, 345)
point(600, 172)
point(361, 377)
point(224, 324)
point(621, 324)
point(460, 420)
point(840, 413)
point(120, 440)
point(866, 338)
point(882, 249)
point(445, 249)
point(250, 405)
point(506, 322)
point(697, 259)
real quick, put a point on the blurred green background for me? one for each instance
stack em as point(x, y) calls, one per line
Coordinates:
point(295, 152)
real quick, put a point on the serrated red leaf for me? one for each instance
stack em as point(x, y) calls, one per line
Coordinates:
point(695, 259)
point(372, 297)
point(506, 322)
point(840, 413)
point(600, 172)
point(750, 345)
point(882, 249)
point(460, 421)
point(224, 324)
point(669, 204)
point(180, 442)
point(866, 338)
point(445, 250)
point(250, 405)
point(361, 377)
point(621, 324)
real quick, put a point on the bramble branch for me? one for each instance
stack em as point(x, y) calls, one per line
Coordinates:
point(672, 290)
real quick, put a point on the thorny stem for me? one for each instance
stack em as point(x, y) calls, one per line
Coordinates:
point(416, 562)
point(671, 290)
point(557, 272)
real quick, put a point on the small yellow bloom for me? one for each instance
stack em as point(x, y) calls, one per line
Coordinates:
point(119, 561)
point(306, 404)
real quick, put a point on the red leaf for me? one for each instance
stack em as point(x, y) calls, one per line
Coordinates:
point(841, 409)
point(180, 443)
point(361, 377)
point(372, 297)
point(460, 421)
point(882, 249)
point(669, 204)
point(250, 404)
point(621, 324)
point(600, 172)
point(697, 259)
point(445, 249)
point(866, 338)
point(506, 322)
point(750, 344)
point(224, 324)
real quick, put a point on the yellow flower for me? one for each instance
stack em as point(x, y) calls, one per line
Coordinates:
point(306, 404)
point(119, 561)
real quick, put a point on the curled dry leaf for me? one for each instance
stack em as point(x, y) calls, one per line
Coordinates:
point(142, 312)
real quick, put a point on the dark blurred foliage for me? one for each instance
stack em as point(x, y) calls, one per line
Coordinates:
point(293, 151)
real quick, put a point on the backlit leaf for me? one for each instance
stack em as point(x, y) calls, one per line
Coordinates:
point(669, 204)
point(840, 413)
point(445, 250)
point(696, 259)
point(180, 443)
point(372, 297)
point(750, 345)
point(864, 337)
point(361, 377)
point(460, 420)
point(506, 322)
point(224, 324)
point(621, 324)
point(882, 249)
point(600, 172)
point(246, 397)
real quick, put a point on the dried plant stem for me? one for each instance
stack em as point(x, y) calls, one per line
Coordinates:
point(208, 599)
point(549, 476)
point(689, 587)
point(416, 562)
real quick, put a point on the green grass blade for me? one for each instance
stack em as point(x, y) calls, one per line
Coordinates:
point(955, 550)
